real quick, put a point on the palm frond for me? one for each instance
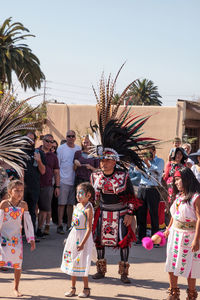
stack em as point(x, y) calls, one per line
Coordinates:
point(12, 143)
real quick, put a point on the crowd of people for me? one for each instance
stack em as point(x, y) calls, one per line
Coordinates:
point(55, 186)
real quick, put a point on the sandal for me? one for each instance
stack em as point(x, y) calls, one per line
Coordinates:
point(85, 293)
point(72, 293)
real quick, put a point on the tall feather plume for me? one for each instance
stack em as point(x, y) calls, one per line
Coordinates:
point(12, 142)
point(104, 101)
point(121, 133)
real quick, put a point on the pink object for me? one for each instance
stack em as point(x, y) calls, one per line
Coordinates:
point(147, 243)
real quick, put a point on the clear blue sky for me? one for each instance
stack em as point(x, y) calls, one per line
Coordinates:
point(78, 39)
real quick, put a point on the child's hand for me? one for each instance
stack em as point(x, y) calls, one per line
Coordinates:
point(80, 247)
point(195, 246)
point(32, 245)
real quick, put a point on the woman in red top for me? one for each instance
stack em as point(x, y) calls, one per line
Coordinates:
point(178, 159)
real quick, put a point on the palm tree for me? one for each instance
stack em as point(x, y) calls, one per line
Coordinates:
point(18, 57)
point(115, 99)
point(143, 93)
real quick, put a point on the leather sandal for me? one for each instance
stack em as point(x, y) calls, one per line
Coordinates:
point(85, 293)
point(72, 293)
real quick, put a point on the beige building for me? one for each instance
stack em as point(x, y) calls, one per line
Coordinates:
point(164, 123)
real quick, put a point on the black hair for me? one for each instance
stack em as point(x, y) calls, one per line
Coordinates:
point(33, 133)
point(47, 135)
point(55, 142)
point(88, 188)
point(63, 142)
point(190, 184)
point(151, 147)
point(185, 156)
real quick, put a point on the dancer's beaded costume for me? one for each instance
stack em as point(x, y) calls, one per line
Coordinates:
point(115, 198)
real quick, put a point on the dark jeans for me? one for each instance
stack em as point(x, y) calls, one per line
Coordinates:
point(151, 199)
point(31, 197)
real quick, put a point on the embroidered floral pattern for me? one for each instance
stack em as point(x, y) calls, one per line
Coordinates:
point(75, 220)
point(4, 241)
point(2, 263)
point(186, 240)
point(9, 264)
point(184, 259)
point(196, 255)
point(10, 240)
point(175, 251)
point(67, 256)
point(14, 213)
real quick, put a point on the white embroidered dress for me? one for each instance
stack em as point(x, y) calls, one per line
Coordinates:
point(180, 258)
point(11, 246)
point(77, 263)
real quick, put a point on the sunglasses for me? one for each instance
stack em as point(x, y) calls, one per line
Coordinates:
point(49, 142)
point(71, 136)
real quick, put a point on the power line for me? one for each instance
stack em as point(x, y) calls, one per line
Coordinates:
point(68, 91)
point(67, 84)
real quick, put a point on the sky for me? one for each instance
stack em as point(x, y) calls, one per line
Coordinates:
point(77, 40)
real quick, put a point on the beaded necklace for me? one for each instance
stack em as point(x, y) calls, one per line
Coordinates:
point(179, 200)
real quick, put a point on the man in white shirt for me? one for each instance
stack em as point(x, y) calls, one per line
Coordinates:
point(66, 197)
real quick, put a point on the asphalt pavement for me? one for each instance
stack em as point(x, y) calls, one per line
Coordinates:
point(42, 278)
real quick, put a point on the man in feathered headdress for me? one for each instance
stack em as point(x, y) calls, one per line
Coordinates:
point(116, 141)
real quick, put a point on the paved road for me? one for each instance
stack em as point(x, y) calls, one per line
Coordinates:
point(42, 278)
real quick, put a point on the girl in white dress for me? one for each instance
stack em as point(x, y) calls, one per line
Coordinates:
point(78, 248)
point(183, 254)
point(11, 248)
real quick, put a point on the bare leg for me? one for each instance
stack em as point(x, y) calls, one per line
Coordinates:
point(191, 283)
point(69, 215)
point(61, 209)
point(72, 292)
point(17, 275)
point(85, 282)
point(86, 290)
point(173, 280)
point(48, 218)
point(41, 218)
point(73, 279)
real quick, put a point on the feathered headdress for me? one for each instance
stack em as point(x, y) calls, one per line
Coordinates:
point(11, 142)
point(117, 137)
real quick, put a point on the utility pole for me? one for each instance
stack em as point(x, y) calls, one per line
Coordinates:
point(44, 94)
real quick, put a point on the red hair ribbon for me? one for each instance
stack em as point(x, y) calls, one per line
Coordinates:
point(177, 174)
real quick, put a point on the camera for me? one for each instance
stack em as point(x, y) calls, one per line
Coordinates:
point(148, 155)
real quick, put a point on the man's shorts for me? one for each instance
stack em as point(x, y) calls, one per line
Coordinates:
point(67, 194)
point(46, 194)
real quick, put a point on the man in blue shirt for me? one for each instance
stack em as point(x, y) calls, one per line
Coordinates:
point(148, 192)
